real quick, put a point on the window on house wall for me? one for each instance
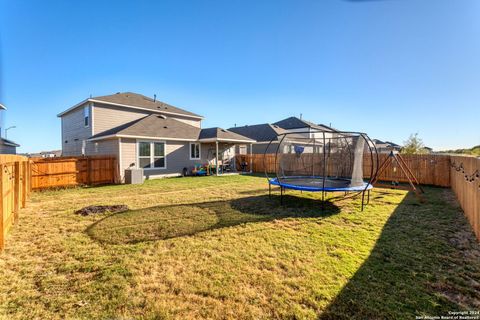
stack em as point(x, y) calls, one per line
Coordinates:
point(159, 155)
point(144, 154)
point(242, 149)
point(194, 151)
point(151, 155)
point(86, 116)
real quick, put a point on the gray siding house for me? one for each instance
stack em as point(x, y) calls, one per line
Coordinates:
point(386, 147)
point(8, 146)
point(145, 133)
point(267, 135)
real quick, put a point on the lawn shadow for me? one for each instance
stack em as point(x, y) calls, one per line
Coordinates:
point(424, 263)
point(171, 221)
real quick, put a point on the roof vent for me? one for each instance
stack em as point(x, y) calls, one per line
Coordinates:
point(223, 130)
point(161, 116)
point(165, 127)
point(118, 92)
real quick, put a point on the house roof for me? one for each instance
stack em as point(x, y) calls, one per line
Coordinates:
point(296, 123)
point(162, 127)
point(388, 144)
point(219, 134)
point(153, 126)
point(9, 143)
point(393, 144)
point(135, 100)
point(260, 132)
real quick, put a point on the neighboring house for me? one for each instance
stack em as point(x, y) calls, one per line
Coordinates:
point(8, 146)
point(45, 154)
point(386, 147)
point(145, 133)
point(265, 133)
point(294, 124)
point(427, 150)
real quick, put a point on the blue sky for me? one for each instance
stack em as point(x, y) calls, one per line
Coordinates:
point(388, 68)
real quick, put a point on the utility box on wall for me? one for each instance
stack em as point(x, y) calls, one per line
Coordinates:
point(134, 176)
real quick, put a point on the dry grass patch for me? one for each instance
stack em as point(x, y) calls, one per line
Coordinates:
point(218, 247)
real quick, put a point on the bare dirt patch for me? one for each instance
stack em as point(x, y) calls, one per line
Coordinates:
point(94, 210)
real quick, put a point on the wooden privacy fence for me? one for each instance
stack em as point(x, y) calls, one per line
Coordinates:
point(465, 182)
point(14, 190)
point(429, 169)
point(73, 171)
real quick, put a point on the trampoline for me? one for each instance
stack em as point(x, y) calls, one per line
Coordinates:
point(324, 161)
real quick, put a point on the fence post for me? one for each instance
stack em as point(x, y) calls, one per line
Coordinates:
point(2, 227)
point(24, 183)
point(88, 171)
point(113, 171)
point(29, 172)
point(16, 188)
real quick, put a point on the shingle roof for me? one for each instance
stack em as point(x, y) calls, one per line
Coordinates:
point(260, 132)
point(139, 100)
point(8, 142)
point(221, 134)
point(135, 100)
point(393, 144)
point(157, 126)
point(154, 126)
point(296, 123)
point(388, 143)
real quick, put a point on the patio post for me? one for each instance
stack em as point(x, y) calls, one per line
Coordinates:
point(216, 158)
point(251, 157)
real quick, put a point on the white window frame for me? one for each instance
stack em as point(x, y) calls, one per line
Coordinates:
point(242, 147)
point(199, 150)
point(86, 115)
point(152, 154)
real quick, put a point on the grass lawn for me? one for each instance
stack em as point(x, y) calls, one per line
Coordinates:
point(218, 247)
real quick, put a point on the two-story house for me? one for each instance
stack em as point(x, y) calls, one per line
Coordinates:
point(145, 133)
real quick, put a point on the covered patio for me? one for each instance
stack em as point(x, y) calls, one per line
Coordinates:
point(218, 147)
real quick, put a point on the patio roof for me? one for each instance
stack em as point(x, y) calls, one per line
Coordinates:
point(217, 134)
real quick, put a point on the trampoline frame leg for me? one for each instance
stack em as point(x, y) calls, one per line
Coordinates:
point(269, 190)
point(368, 196)
point(281, 195)
point(363, 199)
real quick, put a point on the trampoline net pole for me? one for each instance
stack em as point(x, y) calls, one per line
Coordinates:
point(357, 172)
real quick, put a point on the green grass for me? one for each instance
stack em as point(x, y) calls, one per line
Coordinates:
point(219, 247)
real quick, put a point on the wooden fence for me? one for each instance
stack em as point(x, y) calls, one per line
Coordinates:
point(73, 171)
point(465, 182)
point(429, 169)
point(14, 190)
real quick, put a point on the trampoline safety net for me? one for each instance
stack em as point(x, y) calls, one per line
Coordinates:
point(323, 160)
